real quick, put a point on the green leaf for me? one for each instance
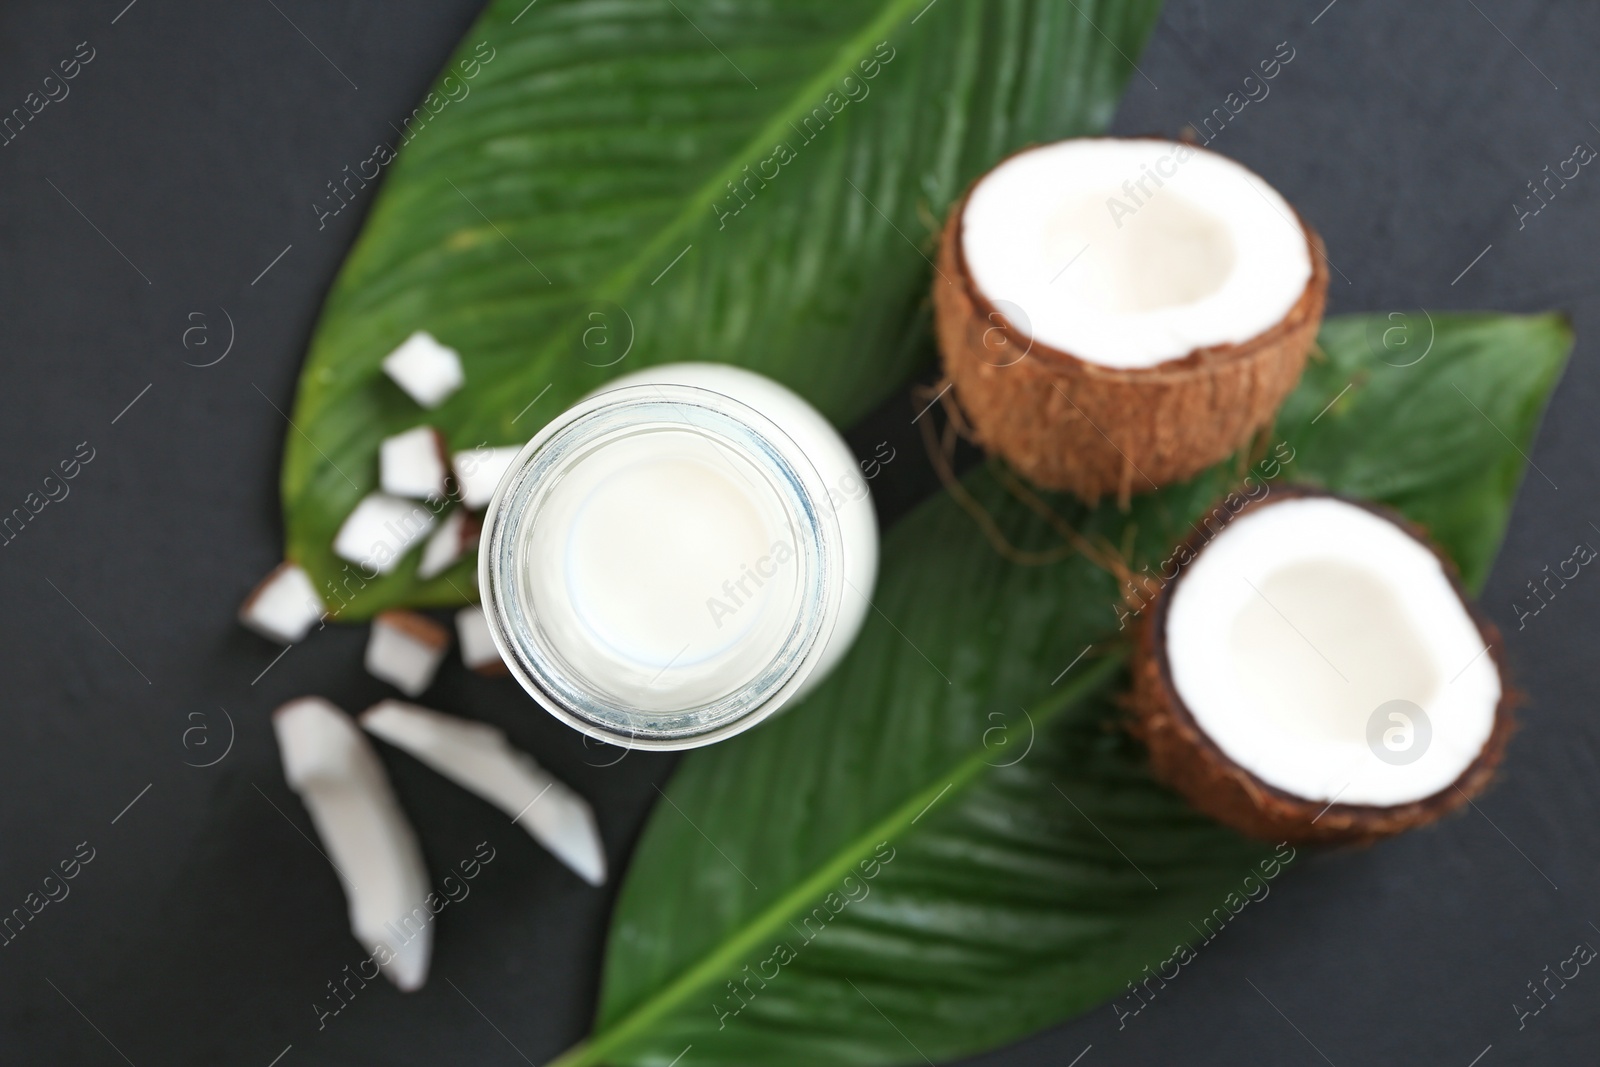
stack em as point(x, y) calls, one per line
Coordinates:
point(1438, 421)
point(613, 181)
point(1019, 891)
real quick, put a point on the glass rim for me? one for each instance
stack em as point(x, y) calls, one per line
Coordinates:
point(561, 445)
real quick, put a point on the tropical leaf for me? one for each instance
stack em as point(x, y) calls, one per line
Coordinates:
point(952, 843)
point(619, 184)
point(1438, 421)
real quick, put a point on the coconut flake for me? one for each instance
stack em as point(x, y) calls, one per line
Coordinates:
point(365, 834)
point(425, 369)
point(478, 757)
point(457, 535)
point(414, 464)
point(478, 649)
point(478, 472)
point(284, 606)
point(405, 650)
point(380, 530)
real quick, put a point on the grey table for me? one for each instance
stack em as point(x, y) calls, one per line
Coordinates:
point(177, 180)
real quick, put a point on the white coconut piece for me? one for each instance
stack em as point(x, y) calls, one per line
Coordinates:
point(405, 650)
point(456, 536)
point(478, 758)
point(1131, 252)
point(284, 606)
point(478, 472)
point(425, 369)
point(478, 649)
point(1302, 620)
point(364, 832)
point(414, 464)
point(381, 529)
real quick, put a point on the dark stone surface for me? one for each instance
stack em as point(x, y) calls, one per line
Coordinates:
point(206, 925)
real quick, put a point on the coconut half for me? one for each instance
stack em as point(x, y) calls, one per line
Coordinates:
point(1314, 672)
point(1118, 314)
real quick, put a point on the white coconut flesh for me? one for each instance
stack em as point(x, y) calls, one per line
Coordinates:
point(1129, 253)
point(364, 833)
point(1301, 620)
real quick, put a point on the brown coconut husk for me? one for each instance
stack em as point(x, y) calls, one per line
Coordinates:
point(1066, 423)
point(1187, 760)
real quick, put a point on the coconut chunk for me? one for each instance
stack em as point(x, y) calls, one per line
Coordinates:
point(1314, 672)
point(414, 464)
point(364, 832)
point(478, 472)
point(425, 369)
point(457, 535)
point(478, 649)
point(381, 529)
point(405, 650)
point(478, 757)
point(284, 606)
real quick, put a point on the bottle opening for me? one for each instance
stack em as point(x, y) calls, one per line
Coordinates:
point(657, 567)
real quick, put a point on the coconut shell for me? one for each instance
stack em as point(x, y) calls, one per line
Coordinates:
point(1186, 759)
point(1066, 423)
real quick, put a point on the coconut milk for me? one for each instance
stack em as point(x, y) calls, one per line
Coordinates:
point(662, 566)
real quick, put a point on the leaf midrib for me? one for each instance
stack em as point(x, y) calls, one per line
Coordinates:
point(937, 794)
